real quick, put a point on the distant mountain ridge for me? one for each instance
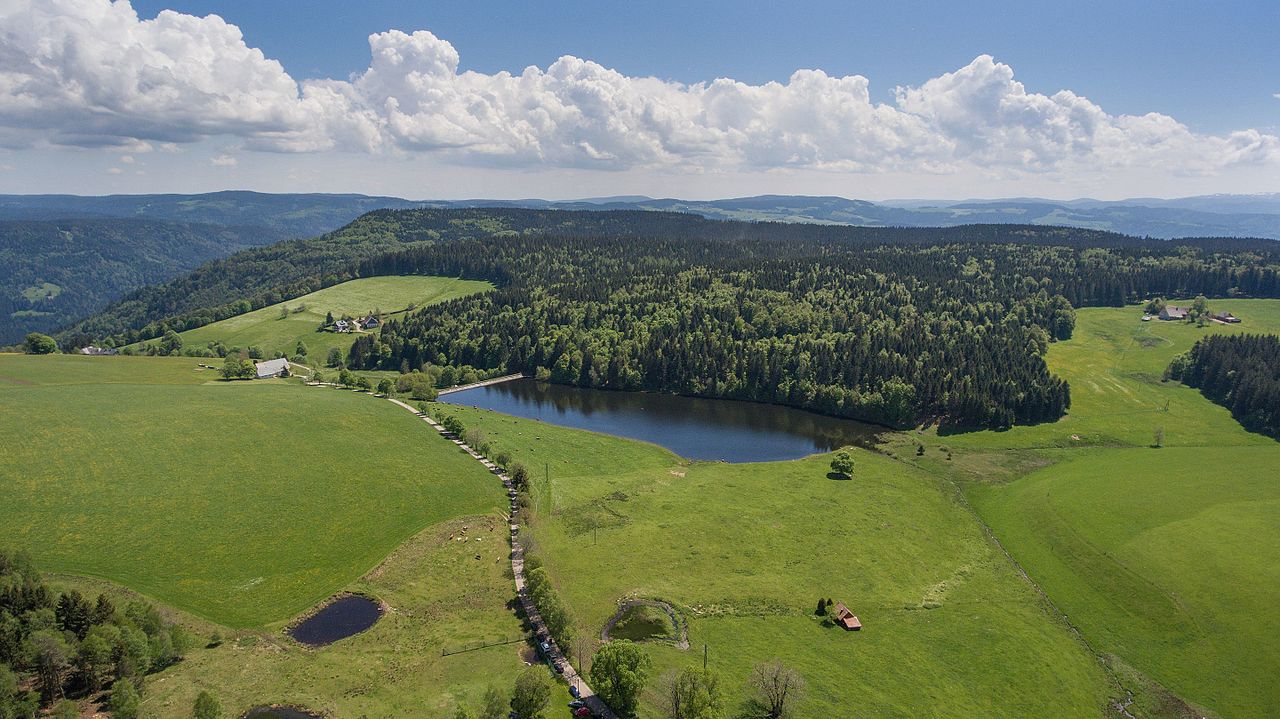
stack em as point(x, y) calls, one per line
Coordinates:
point(287, 215)
point(1187, 217)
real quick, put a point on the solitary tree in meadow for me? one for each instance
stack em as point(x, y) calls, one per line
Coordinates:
point(777, 688)
point(842, 464)
point(692, 694)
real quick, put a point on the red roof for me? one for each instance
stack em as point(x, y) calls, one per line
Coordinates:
point(846, 618)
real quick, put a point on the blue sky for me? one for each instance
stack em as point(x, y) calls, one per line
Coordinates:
point(1213, 65)
point(941, 99)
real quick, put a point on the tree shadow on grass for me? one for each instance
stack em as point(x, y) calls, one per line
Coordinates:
point(839, 477)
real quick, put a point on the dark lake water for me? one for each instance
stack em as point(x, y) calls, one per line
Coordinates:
point(692, 427)
point(347, 616)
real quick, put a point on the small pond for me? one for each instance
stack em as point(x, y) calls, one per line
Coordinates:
point(642, 622)
point(279, 713)
point(692, 427)
point(342, 618)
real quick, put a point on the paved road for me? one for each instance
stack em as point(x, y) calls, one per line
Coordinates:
point(517, 569)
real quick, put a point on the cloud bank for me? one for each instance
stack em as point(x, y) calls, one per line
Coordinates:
point(91, 73)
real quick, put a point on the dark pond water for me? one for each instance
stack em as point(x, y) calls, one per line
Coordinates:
point(279, 713)
point(347, 616)
point(708, 429)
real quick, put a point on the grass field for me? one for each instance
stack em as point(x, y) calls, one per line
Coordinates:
point(244, 502)
point(1165, 558)
point(745, 551)
point(441, 597)
point(153, 474)
point(267, 329)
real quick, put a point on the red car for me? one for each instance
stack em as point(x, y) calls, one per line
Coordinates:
point(582, 712)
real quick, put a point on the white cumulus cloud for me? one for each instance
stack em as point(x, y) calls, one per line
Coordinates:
point(92, 73)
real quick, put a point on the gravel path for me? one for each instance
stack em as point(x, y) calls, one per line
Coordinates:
point(598, 707)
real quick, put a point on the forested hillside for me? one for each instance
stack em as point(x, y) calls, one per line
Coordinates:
point(892, 325)
point(53, 272)
point(1240, 372)
point(823, 318)
point(63, 257)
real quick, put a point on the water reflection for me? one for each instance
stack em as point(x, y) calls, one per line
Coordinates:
point(708, 429)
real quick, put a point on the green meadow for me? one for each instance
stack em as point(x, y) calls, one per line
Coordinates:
point(242, 502)
point(1166, 559)
point(240, 505)
point(745, 551)
point(444, 593)
point(273, 331)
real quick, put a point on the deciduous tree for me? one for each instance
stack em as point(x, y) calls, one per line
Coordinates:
point(532, 691)
point(39, 344)
point(777, 689)
point(842, 464)
point(692, 694)
point(618, 674)
point(124, 700)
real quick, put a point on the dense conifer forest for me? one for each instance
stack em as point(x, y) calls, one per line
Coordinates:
point(1240, 372)
point(891, 325)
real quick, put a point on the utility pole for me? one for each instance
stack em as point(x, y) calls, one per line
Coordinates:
point(704, 658)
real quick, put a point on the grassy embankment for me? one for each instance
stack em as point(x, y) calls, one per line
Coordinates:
point(1166, 559)
point(273, 332)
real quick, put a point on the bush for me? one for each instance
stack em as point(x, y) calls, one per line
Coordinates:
point(207, 707)
point(519, 475)
point(39, 344)
point(124, 700)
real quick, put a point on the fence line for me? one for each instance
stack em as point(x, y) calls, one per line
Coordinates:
point(484, 644)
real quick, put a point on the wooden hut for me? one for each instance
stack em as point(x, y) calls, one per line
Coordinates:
point(847, 619)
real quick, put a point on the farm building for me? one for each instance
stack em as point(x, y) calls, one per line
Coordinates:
point(369, 323)
point(847, 619)
point(342, 326)
point(1226, 317)
point(271, 368)
point(1172, 312)
point(102, 351)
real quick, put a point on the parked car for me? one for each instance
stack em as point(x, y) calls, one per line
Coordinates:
point(576, 694)
point(576, 703)
point(582, 712)
point(545, 647)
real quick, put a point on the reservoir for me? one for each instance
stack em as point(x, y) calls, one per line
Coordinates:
point(692, 427)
